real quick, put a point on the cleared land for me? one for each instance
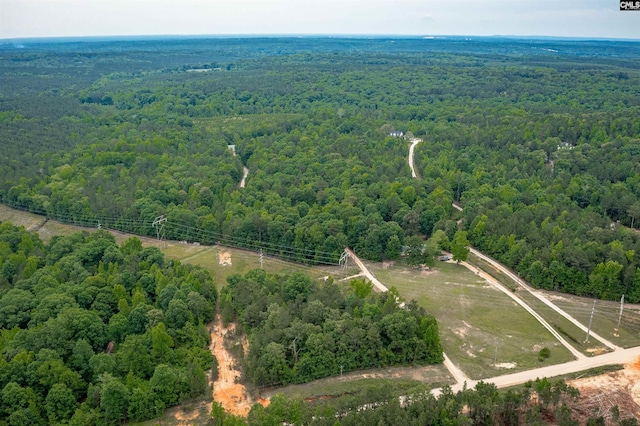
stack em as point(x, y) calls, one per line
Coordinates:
point(605, 318)
point(220, 261)
point(483, 331)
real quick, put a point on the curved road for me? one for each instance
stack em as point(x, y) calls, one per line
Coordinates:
point(245, 173)
point(414, 142)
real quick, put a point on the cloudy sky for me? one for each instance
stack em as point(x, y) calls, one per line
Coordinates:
point(586, 18)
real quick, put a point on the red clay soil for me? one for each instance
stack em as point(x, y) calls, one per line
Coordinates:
point(233, 396)
point(599, 394)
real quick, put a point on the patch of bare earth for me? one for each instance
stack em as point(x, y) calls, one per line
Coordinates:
point(232, 395)
point(599, 394)
point(224, 258)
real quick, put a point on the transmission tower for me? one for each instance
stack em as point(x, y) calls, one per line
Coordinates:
point(261, 259)
point(159, 223)
point(343, 261)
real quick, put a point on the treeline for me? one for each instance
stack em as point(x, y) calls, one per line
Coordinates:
point(537, 403)
point(95, 333)
point(301, 330)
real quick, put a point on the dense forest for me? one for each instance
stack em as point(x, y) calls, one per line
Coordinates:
point(300, 330)
point(96, 333)
point(539, 140)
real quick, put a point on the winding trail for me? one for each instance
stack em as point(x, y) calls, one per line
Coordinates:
point(245, 173)
point(414, 142)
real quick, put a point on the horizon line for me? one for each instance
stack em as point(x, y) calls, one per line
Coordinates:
point(305, 35)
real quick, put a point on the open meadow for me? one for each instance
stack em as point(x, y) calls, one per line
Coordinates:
point(483, 331)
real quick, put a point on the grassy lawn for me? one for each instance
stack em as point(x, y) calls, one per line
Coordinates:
point(478, 323)
point(605, 318)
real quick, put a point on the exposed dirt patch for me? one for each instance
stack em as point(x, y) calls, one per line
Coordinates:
point(597, 351)
point(386, 265)
point(506, 365)
point(599, 394)
point(233, 396)
point(224, 258)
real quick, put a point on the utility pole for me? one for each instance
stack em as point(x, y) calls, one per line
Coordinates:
point(495, 356)
point(159, 223)
point(593, 310)
point(341, 370)
point(261, 259)
point(343, 261)
point(617, 329)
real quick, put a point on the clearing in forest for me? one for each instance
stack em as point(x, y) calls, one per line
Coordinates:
point(483, 331)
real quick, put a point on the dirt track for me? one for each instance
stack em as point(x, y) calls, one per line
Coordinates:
point(226, 391)
point(414, 142)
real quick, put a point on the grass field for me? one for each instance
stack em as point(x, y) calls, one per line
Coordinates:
point(19, 218)
point(566, 328)
point(483, 331)
point(605, 318)
point(360, 387)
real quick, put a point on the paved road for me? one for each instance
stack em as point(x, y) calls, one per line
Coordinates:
point(414, 142)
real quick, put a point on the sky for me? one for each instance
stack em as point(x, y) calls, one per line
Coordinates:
point(568, 18)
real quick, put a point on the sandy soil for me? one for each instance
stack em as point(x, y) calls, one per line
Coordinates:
point(226, 391)
point(601, 393)
point(224, 258)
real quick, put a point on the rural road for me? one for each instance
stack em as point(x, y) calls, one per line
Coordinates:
point(506, 271)
point(526, 307)
point(379, 286)
point(245, 173)
point(621, 356)
point(414, 142)
point(541, 297)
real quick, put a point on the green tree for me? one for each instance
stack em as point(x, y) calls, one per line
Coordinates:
point(460, 246)
point(114, 399)
point(60, 403)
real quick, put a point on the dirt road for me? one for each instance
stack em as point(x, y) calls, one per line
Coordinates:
point(526, 307)
point(506, 271)
point(541, 297)
point(245, 173)
point(621, 356)
point(378, 285)
point(414, 142)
